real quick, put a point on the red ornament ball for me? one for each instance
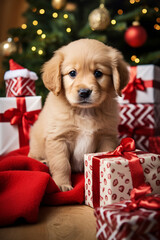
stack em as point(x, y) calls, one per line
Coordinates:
point(135, 36)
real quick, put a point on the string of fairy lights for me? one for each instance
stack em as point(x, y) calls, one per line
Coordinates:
point(10, 42)
point(40, 31)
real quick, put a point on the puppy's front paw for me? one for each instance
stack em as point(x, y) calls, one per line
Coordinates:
point(65, 188)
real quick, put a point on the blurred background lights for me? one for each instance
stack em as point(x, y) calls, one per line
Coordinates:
point(144, 10)
point(43, 36)
point(137, 60)
point(113, 21)
point(6, 45)
point(33, 48)
point(68, 30)
point(120, 11)
point(40, 52)
point(65, 16)
point(24, 26)
point(34, 9)
point(132, 1)
point(41, 11)
point(158, 20)
point(9, 39)
point(55, 15)
point(39, 31)
point(157, 27)
point(156, 9)
point(35, 22)
point(133, 58)
point(16, 39)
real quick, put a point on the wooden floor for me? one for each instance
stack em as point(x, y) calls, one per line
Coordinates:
point(56, 223)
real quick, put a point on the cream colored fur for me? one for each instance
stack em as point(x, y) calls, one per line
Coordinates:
point(67, 128)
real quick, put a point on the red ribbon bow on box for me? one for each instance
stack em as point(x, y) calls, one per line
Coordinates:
point(24, 119)
point(134, 84)
point(141, 199)
point(15, 116)
point(19, 116)
point(125, 149)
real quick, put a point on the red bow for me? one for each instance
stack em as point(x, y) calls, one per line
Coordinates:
point(134, 84)
point(141, 199)
point(15, 116)
point(126, 150)
point(23, 119)
point(126, 145)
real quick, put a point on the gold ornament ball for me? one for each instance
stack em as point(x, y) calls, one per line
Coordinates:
point(7, 48)
point(99, 19)
point(58, 4)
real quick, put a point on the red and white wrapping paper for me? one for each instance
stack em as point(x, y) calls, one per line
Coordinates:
point(114, 223)
point(139, 121)
point(109, 178)
point(19, 81)
point(143, 86)
point(17, 114)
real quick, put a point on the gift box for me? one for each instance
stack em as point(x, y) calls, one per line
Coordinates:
point(143, 86)
point(109, 177)
point(19, 81)
point(139, 121)
point(17, 114)
point(129, 219)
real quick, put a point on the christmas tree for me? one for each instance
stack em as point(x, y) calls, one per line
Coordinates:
point(132, 26)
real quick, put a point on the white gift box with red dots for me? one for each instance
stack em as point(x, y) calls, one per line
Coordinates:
point(115, 180)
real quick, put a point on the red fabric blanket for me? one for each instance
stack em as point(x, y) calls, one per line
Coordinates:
point(26, 183)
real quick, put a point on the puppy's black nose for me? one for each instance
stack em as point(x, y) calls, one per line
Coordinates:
point(84, 92)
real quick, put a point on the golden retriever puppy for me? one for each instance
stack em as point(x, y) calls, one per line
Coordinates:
point(80, 114)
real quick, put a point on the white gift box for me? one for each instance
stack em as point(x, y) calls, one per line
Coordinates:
point(114, 177)
point(149, 77)
point(11, 127)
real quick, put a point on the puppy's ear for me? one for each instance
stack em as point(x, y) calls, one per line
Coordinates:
point(120, 72)
point(51, 73)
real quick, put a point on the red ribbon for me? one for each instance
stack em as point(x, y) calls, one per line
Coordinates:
point(19, 116)
point(123, 129)
point(125, 149)
point(136, 84)
point(141, 199)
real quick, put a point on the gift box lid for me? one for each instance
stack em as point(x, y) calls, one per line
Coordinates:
point(17, 70)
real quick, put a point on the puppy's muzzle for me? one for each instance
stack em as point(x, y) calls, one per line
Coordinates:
point(84, 93)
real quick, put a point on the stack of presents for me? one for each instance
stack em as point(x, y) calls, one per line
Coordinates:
point(19, 109)
point(140, 108)
point(123, 185)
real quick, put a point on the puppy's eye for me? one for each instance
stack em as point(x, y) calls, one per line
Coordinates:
point(98, 74)
point(72, 73)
